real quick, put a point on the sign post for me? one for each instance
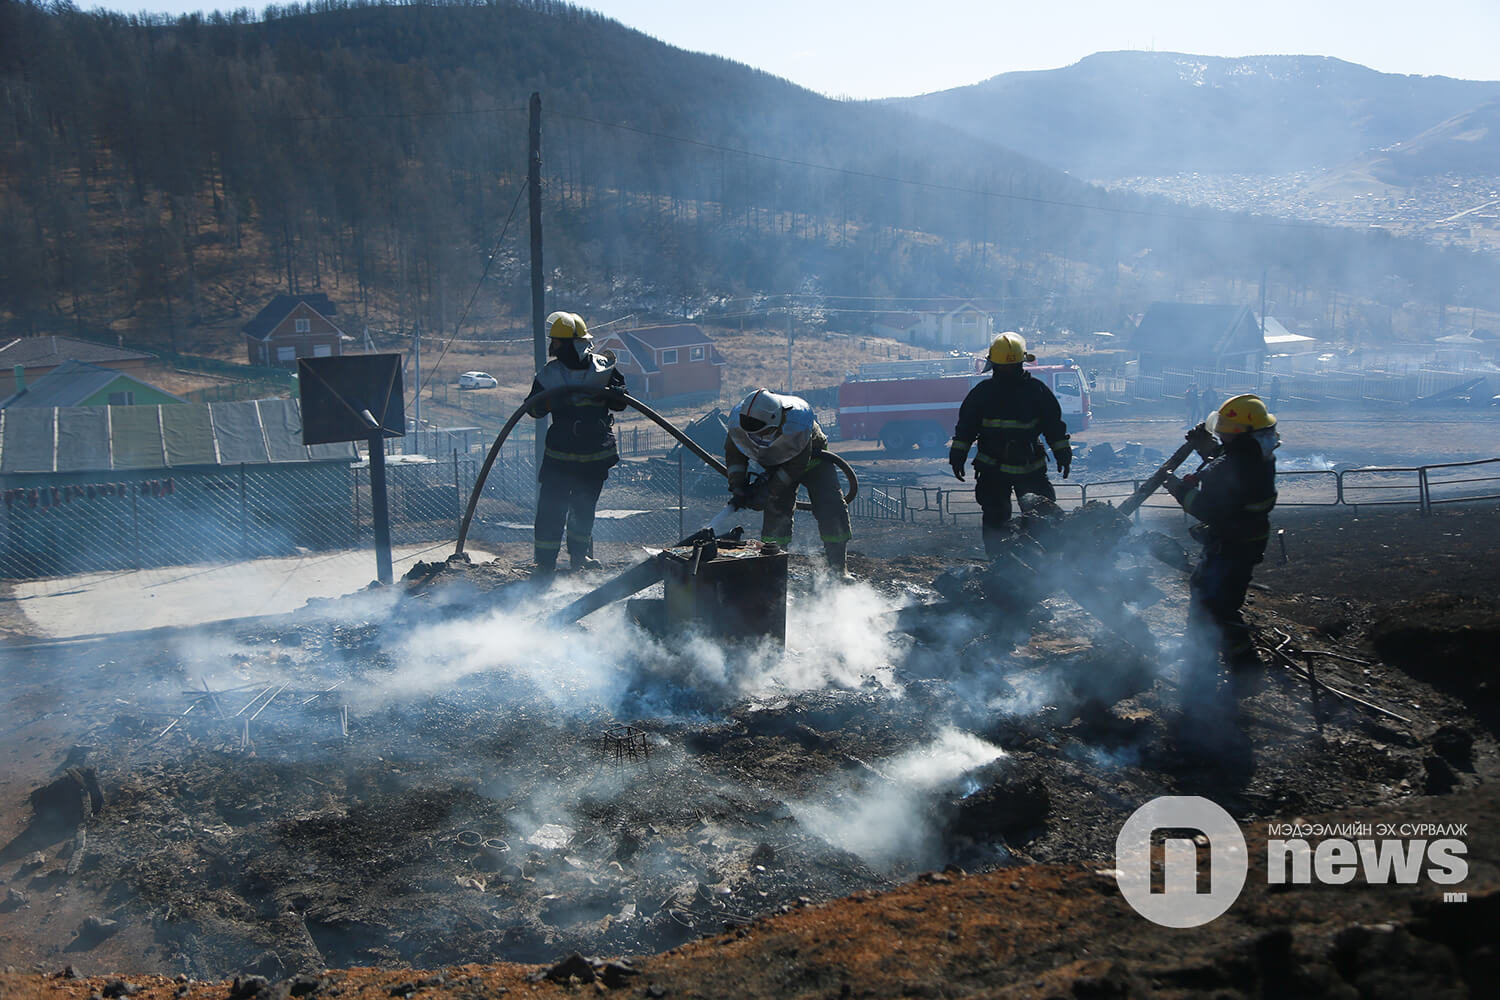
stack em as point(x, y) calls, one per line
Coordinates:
point(357, 398)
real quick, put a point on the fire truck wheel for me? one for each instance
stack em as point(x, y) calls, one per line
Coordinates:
point(930, 437)
point(895, 440)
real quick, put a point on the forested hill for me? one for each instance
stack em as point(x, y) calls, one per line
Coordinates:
point(162, 178)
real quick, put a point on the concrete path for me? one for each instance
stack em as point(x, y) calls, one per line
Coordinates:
point(101, 603)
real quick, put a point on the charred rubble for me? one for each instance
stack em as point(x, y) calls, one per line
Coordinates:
point(295, 799)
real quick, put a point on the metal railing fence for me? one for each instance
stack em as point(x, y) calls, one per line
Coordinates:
point(1421, 486)
point(57, 525)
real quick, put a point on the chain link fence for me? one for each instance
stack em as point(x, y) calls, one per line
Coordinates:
point(63, 524)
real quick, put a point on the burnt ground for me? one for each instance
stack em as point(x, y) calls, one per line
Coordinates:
point(836, 821)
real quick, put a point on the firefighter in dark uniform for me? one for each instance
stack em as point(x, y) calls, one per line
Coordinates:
point(1005, 414)
point(580, 445)
point(1231, 497)
point(781, 435)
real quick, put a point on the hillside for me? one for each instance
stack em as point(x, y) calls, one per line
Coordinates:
point(1116, 114)
point(161, 179)
point(1464, 144)
point(168, 175)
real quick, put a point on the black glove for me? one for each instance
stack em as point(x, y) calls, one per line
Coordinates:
point(1064, 461)
point(958, 470)
point(615, 400)
point(1201, 439)
point(752, 495)
point(1174, 486)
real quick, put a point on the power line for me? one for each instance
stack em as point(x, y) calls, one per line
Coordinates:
point(364, 116)
point(475, 293)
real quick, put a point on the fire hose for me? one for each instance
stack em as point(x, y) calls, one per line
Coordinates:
point(657, 418)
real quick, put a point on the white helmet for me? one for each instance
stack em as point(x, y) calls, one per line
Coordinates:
point(762, 413)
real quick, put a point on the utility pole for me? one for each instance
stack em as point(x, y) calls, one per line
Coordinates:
point(788, 344)
point(538, 282)
point(416, 350)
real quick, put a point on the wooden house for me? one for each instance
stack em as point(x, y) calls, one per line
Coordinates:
point(292, 327)
point(1183, 337)
point(676, 364)
point(34, 357)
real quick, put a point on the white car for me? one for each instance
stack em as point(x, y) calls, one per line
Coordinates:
point(477, 380)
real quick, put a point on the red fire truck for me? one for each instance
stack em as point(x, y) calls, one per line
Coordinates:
point(905, 403)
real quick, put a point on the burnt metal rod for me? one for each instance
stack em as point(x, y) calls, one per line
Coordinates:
point(1295, 668)
point(213, 697)
point(252, 701)
point(238, 687)
point(267, 704)
point(1337, 656)
point(173, 724)
point(321, 693)
point(1311, 665)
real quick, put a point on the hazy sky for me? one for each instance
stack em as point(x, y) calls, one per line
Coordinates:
point(896, 48)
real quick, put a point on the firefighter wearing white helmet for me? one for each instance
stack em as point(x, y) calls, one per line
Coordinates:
point(781, 435)
point(1005, 415)
point(1231, 496)
point(580, 446)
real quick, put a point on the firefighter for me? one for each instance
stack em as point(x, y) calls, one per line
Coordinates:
point(580, 443)
point(1005, 413)
point(1231, 496)
point(780, 434)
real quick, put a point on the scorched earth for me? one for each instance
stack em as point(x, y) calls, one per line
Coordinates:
point(413, 784)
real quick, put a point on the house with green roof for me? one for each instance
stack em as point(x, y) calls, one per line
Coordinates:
point(77, 383)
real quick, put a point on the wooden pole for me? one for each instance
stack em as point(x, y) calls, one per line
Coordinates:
point(378, 505)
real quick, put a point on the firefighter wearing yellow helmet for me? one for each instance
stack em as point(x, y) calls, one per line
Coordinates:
point(1005, 415)
point(1231, 496)
point(580, 447)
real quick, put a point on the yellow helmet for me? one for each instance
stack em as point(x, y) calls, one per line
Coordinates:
point(1009, 349)
point(567, 326)
point(1242, 413)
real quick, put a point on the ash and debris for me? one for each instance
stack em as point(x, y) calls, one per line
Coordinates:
point(415, 777)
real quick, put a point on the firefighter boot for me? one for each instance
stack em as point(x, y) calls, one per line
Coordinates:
point(581, 554)
point(837, 554)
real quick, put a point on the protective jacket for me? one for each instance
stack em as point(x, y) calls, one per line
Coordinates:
point(785, 455)
point(582, 435)
point(1005, 413)
point(793, 457)
point(1233, 495)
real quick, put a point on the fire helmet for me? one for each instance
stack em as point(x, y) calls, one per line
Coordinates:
point(1239, 414)
point(762, 412)
point(567, 326)
point(1009, 349)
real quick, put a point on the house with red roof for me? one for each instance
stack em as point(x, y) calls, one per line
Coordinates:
point(292, 327)
point(667, 364)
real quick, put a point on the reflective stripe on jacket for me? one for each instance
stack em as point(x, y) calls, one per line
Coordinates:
point(1234, 495)
point(1004, 414)
point(583, 426)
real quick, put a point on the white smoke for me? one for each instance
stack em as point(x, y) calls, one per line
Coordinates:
point(835, 637)
point(889, 823)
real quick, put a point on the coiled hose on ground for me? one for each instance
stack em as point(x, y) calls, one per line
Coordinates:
point(631, 401)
